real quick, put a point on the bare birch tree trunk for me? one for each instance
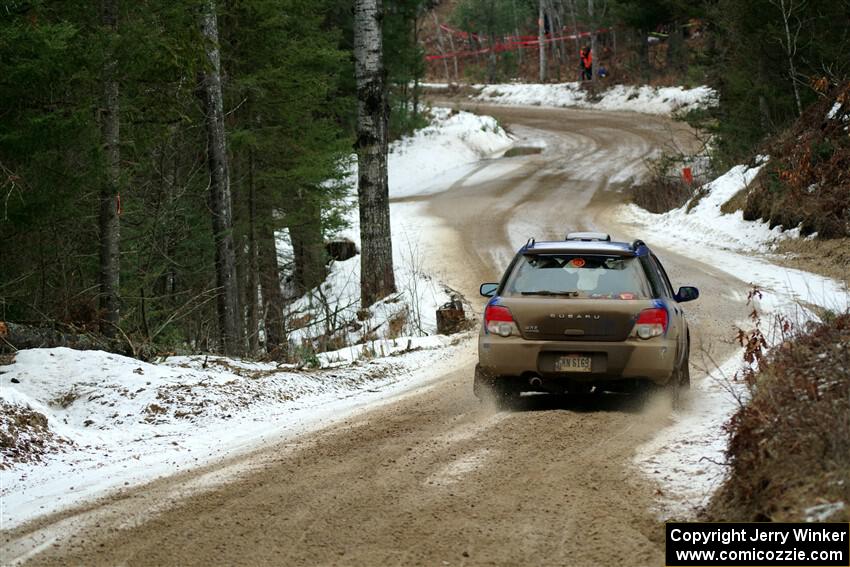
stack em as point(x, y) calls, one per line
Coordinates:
point(541, 39)
point(273, 323)
point(790, 44)
point(454, 55)
point(593, 43)
point(555, 45)
point(516, 32)
point(110, 227)
point(562, 43)
point(440, 45)
point(492, 59)
point(229, 317)
point(575, 30)
point(416, 77)
point(377, 279)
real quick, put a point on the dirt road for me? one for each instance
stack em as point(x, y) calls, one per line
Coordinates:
point(436, 478)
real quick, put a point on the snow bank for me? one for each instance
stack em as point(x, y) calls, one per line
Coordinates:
point(705, 224)
point(646, 99)
point(123, 421)
point(434, 157)
point(731, 244)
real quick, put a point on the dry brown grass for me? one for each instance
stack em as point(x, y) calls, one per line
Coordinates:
point(397, 324)
point(660, 195)
point(829, 258)
point(736, 203)
point(523, 151)
point(25, 436)
point(789, 447)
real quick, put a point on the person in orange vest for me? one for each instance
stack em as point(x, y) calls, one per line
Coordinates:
point(586, 63)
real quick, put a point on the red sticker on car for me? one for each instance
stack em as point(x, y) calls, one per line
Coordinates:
point(577, 262)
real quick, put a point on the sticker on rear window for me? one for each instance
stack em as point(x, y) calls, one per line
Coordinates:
point(577, 262)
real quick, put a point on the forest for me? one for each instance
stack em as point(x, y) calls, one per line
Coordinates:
point(153, 152)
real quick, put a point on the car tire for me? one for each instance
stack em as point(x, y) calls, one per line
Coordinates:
point(680, 381)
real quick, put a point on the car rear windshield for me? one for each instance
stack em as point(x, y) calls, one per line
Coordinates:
point(571, 275)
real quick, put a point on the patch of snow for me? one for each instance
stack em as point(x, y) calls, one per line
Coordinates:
point(645, 99)
point(822, 512)
point(833, 112)
point(451, 146)
point(686, 459)
point(438, 86)
point(728, 243)
point(333, 309)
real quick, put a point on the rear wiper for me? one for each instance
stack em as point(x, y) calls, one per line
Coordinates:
point(547, 292)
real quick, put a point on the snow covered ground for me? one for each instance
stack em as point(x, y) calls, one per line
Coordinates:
point(433, 158)
point(118, 421)
point(704, 222)
point(115, 421)
point(646, 99)
point(686, 458)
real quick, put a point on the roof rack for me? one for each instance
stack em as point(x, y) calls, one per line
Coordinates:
point(589, 236)
point(530, 243)
point(637, 244)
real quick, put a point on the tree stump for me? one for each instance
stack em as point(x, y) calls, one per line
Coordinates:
point(450, 317)
point(16, 336)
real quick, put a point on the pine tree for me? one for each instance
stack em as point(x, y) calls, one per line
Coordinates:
point(110, 231)
point(220, 199)
point(289, 145)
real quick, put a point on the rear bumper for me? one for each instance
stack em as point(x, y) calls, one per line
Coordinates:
point(510, 357)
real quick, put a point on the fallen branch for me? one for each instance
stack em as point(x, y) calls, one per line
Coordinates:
point(17, 336)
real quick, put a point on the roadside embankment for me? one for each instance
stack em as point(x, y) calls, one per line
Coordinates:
point(789, 446)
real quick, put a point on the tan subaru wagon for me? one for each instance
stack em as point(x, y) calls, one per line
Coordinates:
point(582, 315)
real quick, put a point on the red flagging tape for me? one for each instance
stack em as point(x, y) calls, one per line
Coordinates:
point(509, 43)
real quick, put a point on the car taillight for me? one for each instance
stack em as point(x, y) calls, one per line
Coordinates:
point(498, 320)
point(651, 323)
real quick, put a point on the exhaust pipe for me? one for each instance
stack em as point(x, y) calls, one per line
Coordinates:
point(535, 381)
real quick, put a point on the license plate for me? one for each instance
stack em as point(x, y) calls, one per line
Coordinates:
point(572, 363)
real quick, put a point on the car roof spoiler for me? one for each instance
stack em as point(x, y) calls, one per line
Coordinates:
point(589, 236)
